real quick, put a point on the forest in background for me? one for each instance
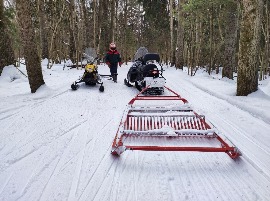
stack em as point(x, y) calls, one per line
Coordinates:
point(233, 34)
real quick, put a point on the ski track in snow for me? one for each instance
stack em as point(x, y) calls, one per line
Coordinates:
point(236, 131)
point(10, 112)
point(58, 148)
point(60, 164)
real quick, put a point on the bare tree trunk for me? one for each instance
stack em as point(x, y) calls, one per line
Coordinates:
point(125, 16)
point(192, 46)
point(265, 56)
point(112, 23)
point(72, 35)
point(6, 51)
point(247, 81)
point(32, 59)
point(230, 40)
point(180, 38)
point(99, 38)
point(198, 41)
point(172, 50)
point(55, 29)
point(268, 37)
point(84, 26)
point(43, 31)
point(189, 59)
point(116, 31)
point(211, 41)
point(106, 32)
point(95, 24)
point(80, 30)
point(100, 26)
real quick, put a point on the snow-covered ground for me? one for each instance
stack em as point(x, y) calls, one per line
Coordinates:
point(55, 144)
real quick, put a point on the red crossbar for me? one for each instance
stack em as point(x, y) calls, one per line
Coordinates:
point(231, 151)
point(165, 148)
point(175, 96)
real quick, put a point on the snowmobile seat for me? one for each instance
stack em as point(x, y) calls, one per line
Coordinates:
point(151, 56)
point(150, 70)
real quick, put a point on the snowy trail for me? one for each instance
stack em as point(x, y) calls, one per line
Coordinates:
point(248, 139)
point(58, 148)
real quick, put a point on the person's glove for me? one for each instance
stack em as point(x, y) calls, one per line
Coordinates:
point(108, 63)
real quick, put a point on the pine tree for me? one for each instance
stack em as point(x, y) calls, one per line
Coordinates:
point(231, 24)
point(32, 60)
point(248, 65)
point(6, 51)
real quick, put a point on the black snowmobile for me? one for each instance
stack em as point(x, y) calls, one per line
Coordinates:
point(145, 73)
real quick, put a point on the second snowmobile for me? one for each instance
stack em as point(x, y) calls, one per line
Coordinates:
point(145, 73)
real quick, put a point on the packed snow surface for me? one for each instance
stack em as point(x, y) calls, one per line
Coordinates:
point(55, 144)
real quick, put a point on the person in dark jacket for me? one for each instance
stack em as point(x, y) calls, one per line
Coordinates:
point(112, 59)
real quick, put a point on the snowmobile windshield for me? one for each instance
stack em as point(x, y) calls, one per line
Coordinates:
point(90, 55)
point(140, 53)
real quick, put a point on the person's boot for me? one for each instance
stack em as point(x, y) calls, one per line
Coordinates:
point(115, 78)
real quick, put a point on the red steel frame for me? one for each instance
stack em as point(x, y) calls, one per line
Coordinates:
point(118, 145)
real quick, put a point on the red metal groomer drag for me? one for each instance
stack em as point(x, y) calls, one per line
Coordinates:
point(169, 125)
